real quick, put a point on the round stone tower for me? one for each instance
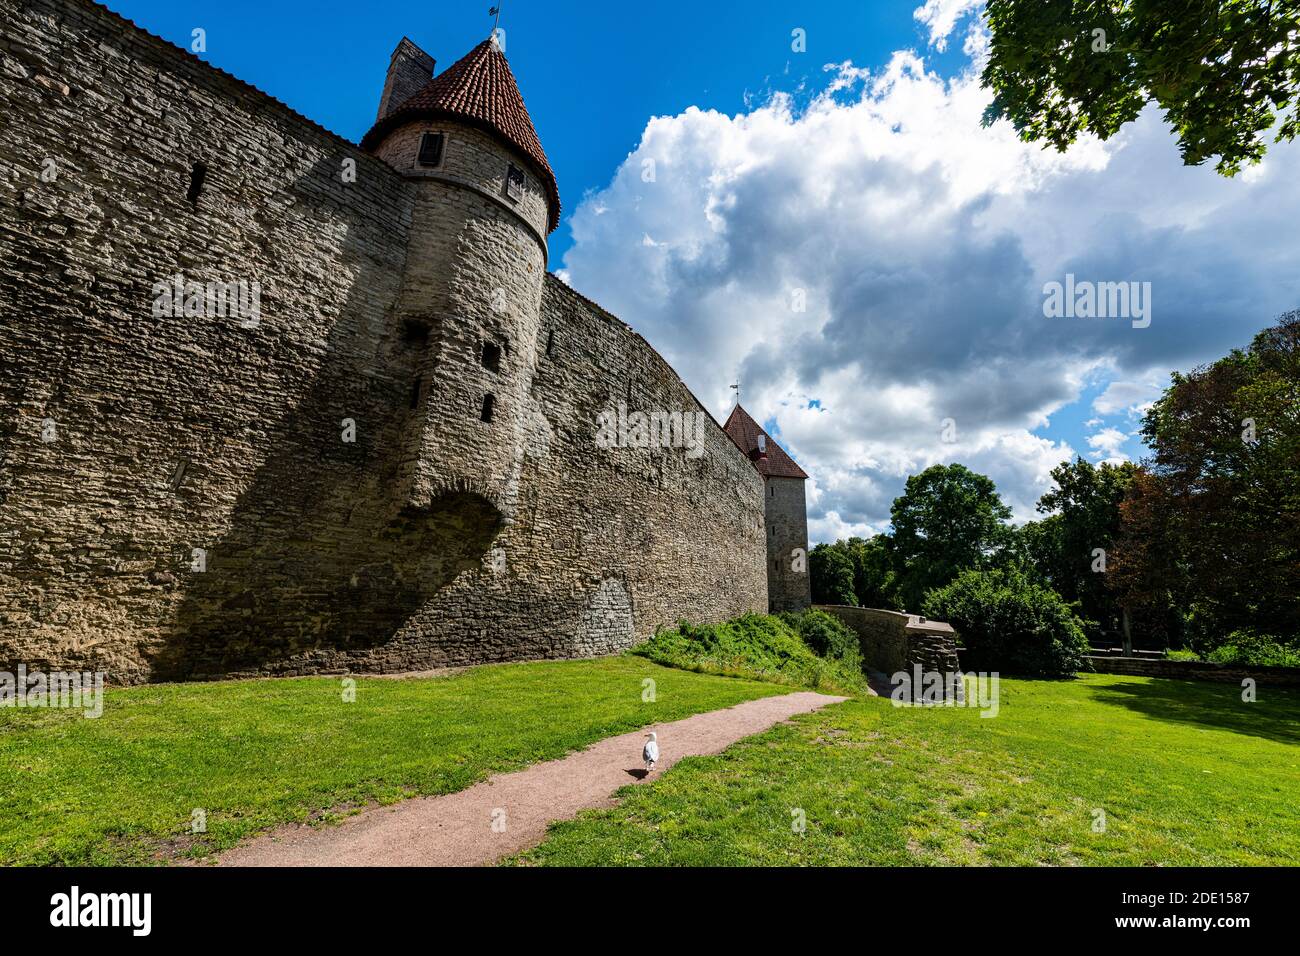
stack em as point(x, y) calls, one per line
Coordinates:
point(466, 326)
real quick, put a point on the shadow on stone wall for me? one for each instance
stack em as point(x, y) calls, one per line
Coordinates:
point(323, 553)
point(273, 592)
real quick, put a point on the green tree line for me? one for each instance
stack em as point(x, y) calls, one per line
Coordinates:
point(1197, 547)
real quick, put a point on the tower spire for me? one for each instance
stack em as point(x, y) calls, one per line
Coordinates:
point(495, 11)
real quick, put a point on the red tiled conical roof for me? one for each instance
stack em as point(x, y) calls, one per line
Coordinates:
point(744, 431)
point(479, 90)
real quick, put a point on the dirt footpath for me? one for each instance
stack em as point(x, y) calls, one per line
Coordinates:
point(510, 812)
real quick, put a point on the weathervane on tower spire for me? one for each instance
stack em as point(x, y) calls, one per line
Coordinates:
point(496, 24)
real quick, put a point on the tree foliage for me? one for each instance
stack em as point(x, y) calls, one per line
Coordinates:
point(1039, 550)
point(832, 574)
point(875, 582)
point(872, 580)
point(1199, 542)
point(1086, 500)
point(1215, 529)
point(948, 519)
point(1223, 71)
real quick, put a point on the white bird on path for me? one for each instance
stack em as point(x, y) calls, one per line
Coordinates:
point(651, 752)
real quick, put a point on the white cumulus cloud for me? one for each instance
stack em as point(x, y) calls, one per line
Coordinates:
point(941, 17)
point(871, 265)
point(1107, 444)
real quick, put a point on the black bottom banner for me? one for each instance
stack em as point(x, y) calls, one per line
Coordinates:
point(336, 906)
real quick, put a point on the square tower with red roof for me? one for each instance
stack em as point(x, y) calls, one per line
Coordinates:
point(785, 511)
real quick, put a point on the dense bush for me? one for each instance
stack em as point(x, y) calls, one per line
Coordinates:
point(1011, 625)
point(1256, 650)
point(1182, 655)
point(756, 646)
point(826, 636)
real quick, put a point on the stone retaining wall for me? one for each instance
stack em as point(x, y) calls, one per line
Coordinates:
point(894, 641)
point(1196, 670)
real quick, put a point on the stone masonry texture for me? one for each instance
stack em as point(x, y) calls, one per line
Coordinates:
point(894, 641)
point(409, 69)
point(789, 585)
point(318, 491)
point(1196, 670)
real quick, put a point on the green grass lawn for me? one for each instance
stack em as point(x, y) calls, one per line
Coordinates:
point(1185, 772)
point(252, 754)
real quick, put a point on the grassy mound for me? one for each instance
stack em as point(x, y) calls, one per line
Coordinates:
point(758, 647)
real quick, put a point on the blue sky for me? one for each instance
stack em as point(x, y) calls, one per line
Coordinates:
point(591, 74)
point(833, 226)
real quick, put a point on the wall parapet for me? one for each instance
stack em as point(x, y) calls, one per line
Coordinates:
point(894, 641)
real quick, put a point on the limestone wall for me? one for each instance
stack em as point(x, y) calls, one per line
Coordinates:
point(932, 645)
point(883, 635)
point(179, 496)
point(470, 158)
point(130, 440)
point(893, 641)
point(789, 585)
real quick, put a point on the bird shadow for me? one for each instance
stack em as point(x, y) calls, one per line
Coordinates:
point(640, 773)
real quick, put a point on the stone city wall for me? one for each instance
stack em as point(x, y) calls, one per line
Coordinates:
point(197, 495)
